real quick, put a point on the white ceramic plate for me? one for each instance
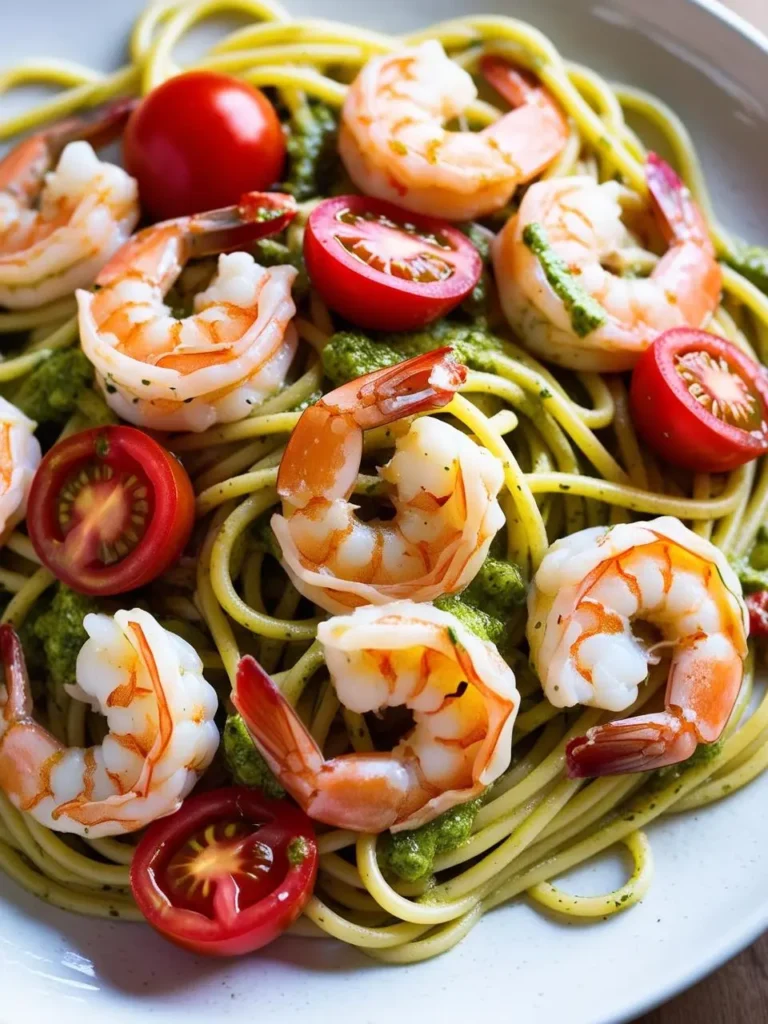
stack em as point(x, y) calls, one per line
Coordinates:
point(709, 897)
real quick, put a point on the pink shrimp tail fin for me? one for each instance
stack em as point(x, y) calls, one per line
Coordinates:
point(537, 129)
point(323, 455)
point(635, 745)
point(676, 210)
point(18, 705)
point(171, 243)
point(257, 215)
point(23, 169)
point(277, 730)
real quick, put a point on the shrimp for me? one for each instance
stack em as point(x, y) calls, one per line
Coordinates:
point(58, 229)
point(582, 224)
point(212, 367)
point(587, 592)
point(462, 695)
point(394, 144)
point(159, 709)
point(445, 488)
point(19, 458)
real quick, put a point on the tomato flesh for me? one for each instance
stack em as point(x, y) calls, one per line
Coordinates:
point(757, 606)
point(700, 402)
point(227, 873)
point(109, 510)
point(384, 268)
point(201, 140)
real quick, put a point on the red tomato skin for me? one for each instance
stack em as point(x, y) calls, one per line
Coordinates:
point(166, 536)
point(371, 299)
point(199, 141)
point(673, 423)
point(257, 925)
point(757, 605)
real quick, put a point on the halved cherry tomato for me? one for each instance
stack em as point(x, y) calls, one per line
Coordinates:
point(757, 606)
point(199, 141)
point(700, 402)
point(385, 268)
point(109, 510)
point(227, 873)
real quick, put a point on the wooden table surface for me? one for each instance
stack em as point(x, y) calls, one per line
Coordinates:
point(738, 992)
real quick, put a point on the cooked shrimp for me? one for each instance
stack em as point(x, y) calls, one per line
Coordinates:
point(159, 709)
point(394, 144)
point(581, 222)
point(58, 229)
point(19, 458)
point(444, 493)
point(462, 696)
point(212, 367)
point(589, 589)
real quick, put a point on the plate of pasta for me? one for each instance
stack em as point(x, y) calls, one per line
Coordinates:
point(383, 507)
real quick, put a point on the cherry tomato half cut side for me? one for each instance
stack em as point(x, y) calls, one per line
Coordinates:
point(700, 402)
point(109, 510)
point(227, 873)
point(385, 268)
point(199, 141)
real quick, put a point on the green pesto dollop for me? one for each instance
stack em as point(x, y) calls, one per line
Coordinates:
point(411, 854)
point(753, 569)
point(477, 621)
point(752, 262)
point(477, 305)
point(246, 765)
point(61, 632)
point(298, 851)
point(50, 393)
point(351, 354)
point(269, 252)
point(586, 313)
point(313, 161)
point(703, 754)
point(498, 589)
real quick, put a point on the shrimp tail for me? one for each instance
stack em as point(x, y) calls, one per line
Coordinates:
point(174, 242)
point(539, 122)
point(277, 730)
point(257, 215)
point(18, 704)
point(99, 126)
point(421, 384)
point(635, 745)
point(323, 456)
point(675, 208)
point(23, 170)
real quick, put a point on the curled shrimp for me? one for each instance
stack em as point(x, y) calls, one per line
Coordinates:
point(444, 493)
point(461, 693)
point(19, 458)
point(582, 222)
point(186, 374)
point(588, 591)
point(159, 709)
point(58, 228)
point(394, 144)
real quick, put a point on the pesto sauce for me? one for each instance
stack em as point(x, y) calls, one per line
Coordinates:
point(61, 632)
point(411, 854)
point(50, 393)
point(751, 261)
point(586, 313)
point(244, 761)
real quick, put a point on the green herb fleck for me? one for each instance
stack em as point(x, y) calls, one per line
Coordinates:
point(298, 851)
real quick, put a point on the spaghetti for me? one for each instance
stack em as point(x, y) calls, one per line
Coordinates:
point(567, 464)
